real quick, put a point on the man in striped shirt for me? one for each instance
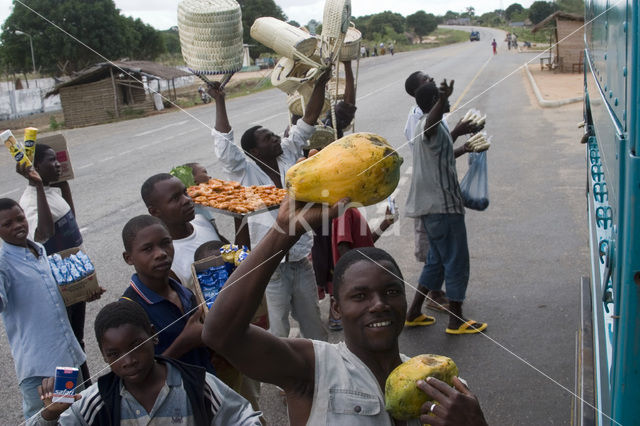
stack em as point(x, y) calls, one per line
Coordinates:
point(142, 389)
point(435, 198)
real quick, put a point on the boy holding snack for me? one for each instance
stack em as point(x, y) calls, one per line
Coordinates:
point(51, 215)
point(142, 388)
point(33, 312)
point(171, 307)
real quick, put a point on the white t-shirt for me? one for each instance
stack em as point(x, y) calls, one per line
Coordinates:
point(29, 203)
point(241, 168)
point(415, 114)
point(185, 248)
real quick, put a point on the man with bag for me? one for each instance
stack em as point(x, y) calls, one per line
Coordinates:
point(435, 197)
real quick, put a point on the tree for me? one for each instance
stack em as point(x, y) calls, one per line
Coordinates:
point(95, 23)
point(294, 23)
point(571, 6)
point(512, 10)
point(470, 11)
point(252, 10)
point(540, 10)
point(395, 20)
point(142, 41)
point(312, 26)
point(422, 23)
point(451, 15)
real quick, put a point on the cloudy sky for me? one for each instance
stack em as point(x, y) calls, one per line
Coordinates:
point(162, 13)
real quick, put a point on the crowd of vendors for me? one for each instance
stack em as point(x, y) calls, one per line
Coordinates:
point(193, 348)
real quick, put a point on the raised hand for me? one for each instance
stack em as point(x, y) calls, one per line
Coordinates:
point(29, 173)
point(446, 89)
point(216, 91)
point(297, 217)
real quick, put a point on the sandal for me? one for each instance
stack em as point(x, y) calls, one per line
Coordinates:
point(468, 327)
point(335, 324)
point(420, 320)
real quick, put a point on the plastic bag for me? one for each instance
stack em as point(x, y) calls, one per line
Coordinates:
point(475, 184)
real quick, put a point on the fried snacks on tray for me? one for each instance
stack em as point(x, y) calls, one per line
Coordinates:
point(231, 196)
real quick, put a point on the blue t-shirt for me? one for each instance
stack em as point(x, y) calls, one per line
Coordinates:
point(34, 314)
point(167, 318)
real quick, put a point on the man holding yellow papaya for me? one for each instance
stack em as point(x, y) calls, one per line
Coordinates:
point(330, 384)
point(263, 159)
point(435, 198)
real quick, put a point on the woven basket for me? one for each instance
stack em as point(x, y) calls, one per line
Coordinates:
point(285, 39)
point(211, 35)
point(335, 19)
point(350, 49)
point(288, 75)
point(322, 137)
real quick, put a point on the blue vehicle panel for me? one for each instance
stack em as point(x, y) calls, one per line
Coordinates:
point(612, 84)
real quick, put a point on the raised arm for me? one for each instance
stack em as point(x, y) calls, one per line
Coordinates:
point(66, 194)
point(349, 88)
point(316, 101)
point(45, 226)
point(437, 111)
point(230, 155)
point(222, 120)
point(288, 363)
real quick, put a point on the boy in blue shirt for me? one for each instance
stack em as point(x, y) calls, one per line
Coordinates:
point(171, 307)
point(33, 311)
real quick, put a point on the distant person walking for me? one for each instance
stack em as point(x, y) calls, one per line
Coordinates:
point(391, 48)
point(495, 46)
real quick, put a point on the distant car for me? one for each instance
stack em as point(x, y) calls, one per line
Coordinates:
point(474, 36)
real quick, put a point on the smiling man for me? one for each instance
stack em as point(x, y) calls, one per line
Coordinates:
point(166, 198)
point(329, 384)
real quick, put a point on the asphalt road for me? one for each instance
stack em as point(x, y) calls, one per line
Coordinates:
point(528, 249)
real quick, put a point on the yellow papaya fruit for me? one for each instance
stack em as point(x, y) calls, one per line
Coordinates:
point(361, 166)
point(402, 397)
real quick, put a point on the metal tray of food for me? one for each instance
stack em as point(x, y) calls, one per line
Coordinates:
point(241, 215)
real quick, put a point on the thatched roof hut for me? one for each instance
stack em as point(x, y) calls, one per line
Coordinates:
point(567, 41)
point(107, 90)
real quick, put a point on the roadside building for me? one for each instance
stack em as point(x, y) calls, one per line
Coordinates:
point(566, 41)
point(109, 90)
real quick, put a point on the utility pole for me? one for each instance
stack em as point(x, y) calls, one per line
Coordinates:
point(33, 58)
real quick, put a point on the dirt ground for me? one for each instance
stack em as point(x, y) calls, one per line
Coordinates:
point(555, 86)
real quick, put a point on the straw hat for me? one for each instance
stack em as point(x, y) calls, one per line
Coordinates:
point(211, 35)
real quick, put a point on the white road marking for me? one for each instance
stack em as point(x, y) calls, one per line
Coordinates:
point(84, 229)
point(148, 132)
point(111, 157)
point(84, 166)
point(255, 123)
point(9, 192)
point(395, 83)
